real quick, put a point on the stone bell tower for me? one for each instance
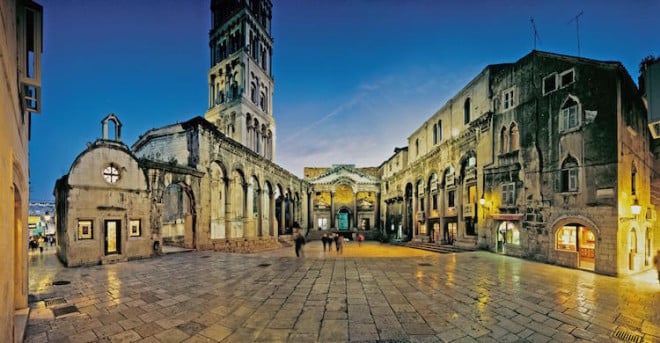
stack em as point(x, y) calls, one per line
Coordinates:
point(241, 78)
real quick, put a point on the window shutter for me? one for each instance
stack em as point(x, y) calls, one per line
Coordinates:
point(556, 181)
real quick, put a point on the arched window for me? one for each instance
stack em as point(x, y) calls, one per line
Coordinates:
point(435, 134)
point(234, 91)
point(569, 175)
point(439, 130)
point(569, 117)
point(417, 147)
point(466, 111)
point(253, 93)
point(514, 143)
point(504, 141)
point(263, 101)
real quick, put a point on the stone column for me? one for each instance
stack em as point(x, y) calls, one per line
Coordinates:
point(227, 208)
point(377, 212)
point(248, 220)
point(355, 213)
point(332, 209)
point(260, 214)
point(310, 212)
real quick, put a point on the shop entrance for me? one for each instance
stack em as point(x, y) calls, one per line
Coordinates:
point(450, 232)
point(580, 239)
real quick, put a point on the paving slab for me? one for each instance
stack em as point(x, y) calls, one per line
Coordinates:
point(370, 293)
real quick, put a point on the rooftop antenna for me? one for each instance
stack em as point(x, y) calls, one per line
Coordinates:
point(536, 33)
point(577, 28)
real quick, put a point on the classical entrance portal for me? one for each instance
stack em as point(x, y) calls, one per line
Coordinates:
point(343, 219)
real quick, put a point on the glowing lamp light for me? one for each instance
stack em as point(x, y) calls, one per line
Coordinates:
point(482, 201)
point(635, 209)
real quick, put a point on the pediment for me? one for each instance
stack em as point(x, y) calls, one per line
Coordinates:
point(344, 175)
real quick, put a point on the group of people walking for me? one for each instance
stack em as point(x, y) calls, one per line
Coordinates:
point(328, 239)
point(333, 237)
point(40, 242)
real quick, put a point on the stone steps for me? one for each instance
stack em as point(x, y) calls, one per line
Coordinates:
point(441, 249)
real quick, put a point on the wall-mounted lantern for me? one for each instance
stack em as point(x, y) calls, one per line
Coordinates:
point(635, 209)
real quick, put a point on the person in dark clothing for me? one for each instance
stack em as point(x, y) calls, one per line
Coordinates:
point(324, 239)
point(336, 239)
point(299, 242)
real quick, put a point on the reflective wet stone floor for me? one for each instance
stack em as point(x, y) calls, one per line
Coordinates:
point(370, 293)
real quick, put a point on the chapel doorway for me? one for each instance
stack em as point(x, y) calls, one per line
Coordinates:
point(112, 237)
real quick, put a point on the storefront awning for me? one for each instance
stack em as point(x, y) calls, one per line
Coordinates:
point(507, 216)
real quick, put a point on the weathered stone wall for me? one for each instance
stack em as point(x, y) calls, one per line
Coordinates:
point(89, 197)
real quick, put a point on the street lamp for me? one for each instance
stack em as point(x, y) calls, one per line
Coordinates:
point(635, 209)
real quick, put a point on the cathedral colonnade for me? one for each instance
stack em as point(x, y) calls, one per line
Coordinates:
point(238, 201)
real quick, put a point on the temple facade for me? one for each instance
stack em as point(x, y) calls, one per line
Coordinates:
point(344, 198)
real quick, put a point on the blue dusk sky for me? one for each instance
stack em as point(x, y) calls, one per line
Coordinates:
point(353, 79)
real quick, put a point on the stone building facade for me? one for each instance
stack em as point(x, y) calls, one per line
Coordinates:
point(211, 192)
point(344, 198)
point(20, 97)
point(103, 205)
point(206, 183)
point(544, 158)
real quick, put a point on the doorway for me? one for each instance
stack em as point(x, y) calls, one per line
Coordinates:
point(451, 231)
point(112, 237)
point(343, 220)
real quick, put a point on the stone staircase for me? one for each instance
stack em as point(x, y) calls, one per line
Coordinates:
point(439, 248)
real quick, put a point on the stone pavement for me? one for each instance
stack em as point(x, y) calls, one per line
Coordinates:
point(372, 293)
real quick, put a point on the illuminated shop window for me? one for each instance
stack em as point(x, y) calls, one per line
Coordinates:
point(566, 238)
point(509, 233)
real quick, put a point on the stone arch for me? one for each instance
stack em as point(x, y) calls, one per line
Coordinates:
point(179, 216)
point(20, 246)
point(577, 234)
point(279, 209)
point(111, 119)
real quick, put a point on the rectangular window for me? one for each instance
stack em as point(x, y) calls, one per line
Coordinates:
point(434, 200)
point(569, 118)
point(85, 229)
point(135, 229)
point(508, 99)
point(550, 83)
point(509, 193)
point(569, 180)
point(567, 77)
point(450, 199)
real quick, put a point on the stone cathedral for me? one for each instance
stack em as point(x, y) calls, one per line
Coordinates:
point(205, 183)
point(547, 158)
